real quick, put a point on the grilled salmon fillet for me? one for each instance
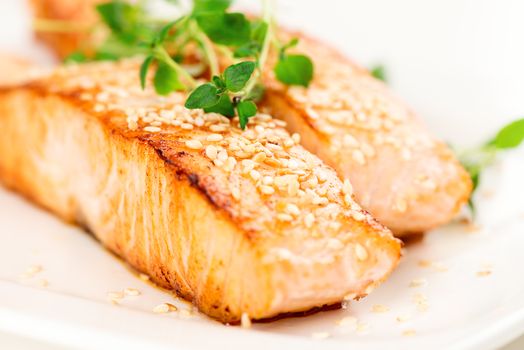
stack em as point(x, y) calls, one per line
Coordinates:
point(406, 178)
point(238, 222)
point(409, 180)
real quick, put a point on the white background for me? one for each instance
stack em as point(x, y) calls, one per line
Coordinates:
point(460, 63)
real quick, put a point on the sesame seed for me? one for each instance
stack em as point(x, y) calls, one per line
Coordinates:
point(402, 318)
point(358, 156)
point(267, 189)
point(187, 126)
point(348, 199)
point(161, 308)
point(358, 216)
point(333, 243)
point(211, 152)
point(222, 155)
point(350, 321)
point(217, 128)
point(167, 114)
point(309, 219)
point(194, 144)
point(152, 129)
point(293, 209)
point(361, 252)
point(284, 217)
point(143, 277)
point(378, 308)
point(484, 273)
point(115, 295)
point(268, 180)
point(43, 283)
point(230, 164)
point(214, 138)
point(32, 270)
point(347, 188)
point(235, 192)
point(401, 205)
point(362, 327)
point(245, 321)
point(409, 333)
point(255, 175)
point(349, 141)
point(259, 157)
point(133, 292)
point(99, 108)
point(247, 166)
point(199, 121)
point(311, 113)
point(418, 282)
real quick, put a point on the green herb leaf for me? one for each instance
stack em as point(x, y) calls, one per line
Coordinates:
point(237, 75)
point(259, 31)
point(161, 36)
point(166, 80)
point(76, 57)
point(204, 96)
point(379, 72)
point(117, 15)
point(231, 29)
point(219, 83)
point(291, 43)
point(295, 70)
point(201, 6)
point(246, 110)
point(224, 107)
point(510, 136)
point(256, 93)
point(144, 69)
point(251, 49)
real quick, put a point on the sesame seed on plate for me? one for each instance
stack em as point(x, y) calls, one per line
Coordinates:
point(484, 273)
point(43, 283)
point(164, 308)
point(378, 308)
point(115, 295)
point(418, 282)
point(245, 321)
point(131, 292)
point(402, 318)
point(409, 333)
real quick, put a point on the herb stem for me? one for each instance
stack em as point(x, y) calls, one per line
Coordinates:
point(162, 55)
point(207, 47)
point(225, 51)
point(58, 26)
point(268, 18)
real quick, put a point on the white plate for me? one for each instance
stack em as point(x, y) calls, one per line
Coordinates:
point(438, 67)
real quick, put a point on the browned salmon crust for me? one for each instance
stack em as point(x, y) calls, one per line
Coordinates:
point(235, 221)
